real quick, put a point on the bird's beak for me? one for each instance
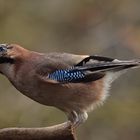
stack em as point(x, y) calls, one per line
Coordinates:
point(3, 49)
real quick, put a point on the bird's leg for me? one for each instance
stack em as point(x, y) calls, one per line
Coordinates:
point(77, 118)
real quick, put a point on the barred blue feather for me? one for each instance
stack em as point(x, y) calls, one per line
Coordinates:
point(70, 75)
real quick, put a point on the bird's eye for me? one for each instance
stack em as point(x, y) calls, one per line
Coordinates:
point(3, 48)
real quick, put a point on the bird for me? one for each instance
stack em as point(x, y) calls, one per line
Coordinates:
point(75, 84)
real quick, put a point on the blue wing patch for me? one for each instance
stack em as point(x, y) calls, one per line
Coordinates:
point(65, 76)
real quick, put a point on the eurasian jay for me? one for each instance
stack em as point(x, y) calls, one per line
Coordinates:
point(75, 84)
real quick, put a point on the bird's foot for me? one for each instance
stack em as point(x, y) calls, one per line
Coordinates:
point(77, 118)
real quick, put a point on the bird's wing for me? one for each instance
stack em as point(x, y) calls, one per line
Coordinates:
point(86, 69)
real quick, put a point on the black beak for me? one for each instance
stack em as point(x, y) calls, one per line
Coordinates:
point(3, 49)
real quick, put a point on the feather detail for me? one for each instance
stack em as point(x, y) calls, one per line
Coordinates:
point(71, 75)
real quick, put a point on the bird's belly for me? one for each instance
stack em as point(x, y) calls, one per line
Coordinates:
point(76, 96)
point(34, 92)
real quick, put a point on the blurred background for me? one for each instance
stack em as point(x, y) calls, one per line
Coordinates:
point(103, 27)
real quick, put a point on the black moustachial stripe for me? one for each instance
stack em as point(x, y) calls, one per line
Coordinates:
point(6, 60)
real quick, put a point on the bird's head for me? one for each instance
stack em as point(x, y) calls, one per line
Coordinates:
point(11, 56)
point(11, 52)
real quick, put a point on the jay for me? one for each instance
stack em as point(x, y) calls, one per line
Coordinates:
point(75, 84)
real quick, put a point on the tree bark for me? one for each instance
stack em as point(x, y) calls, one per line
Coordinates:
point(57, 132)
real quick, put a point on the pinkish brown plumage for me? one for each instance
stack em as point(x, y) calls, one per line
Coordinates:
point(73, 83)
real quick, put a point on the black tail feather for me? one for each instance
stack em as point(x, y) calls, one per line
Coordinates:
point(108, 66)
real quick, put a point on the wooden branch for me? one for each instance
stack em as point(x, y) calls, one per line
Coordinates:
point(57, 132)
